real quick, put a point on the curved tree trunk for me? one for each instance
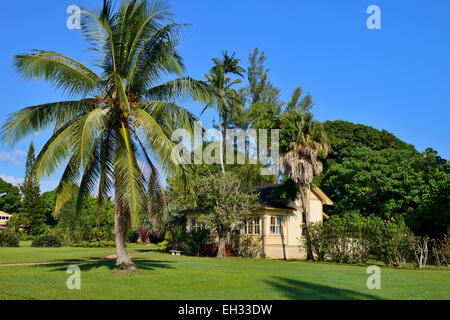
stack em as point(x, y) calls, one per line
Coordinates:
point(120, 227)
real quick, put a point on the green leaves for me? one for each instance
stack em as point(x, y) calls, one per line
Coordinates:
point(67, 74)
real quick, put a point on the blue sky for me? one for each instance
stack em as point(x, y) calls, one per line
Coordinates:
point(396, 78)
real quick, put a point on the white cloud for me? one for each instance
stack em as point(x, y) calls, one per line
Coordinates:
point(49, 185)
point(46, 185)
point(14, 158)
point(13, 180)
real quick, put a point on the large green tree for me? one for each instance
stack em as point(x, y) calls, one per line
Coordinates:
point(390, 182)
point(119, 120)
point(224, 203)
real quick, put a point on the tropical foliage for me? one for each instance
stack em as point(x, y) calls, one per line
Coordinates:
point(387, 182)
point(119, 121)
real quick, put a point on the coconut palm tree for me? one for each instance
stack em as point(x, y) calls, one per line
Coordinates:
point(115, 131)
point(220, 82)
point(301, 163)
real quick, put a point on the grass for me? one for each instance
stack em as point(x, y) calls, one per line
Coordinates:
point(163, 276)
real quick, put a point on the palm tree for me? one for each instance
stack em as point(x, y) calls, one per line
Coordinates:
point(301, 163)
point(119, 121)
point(220, 82)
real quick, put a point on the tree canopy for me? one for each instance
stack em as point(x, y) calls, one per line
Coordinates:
point(9, 197)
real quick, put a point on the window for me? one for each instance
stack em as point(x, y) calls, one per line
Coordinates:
point(195, 226)
point(276, 225)
point(251, 226)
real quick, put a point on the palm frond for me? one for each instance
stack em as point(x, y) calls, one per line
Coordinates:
point(155, 57)
point(89, 129)
point(38, 118)
point(56, 150)
point(181, 89)
point(66, 74)
point(158, 140)
point(128, 174)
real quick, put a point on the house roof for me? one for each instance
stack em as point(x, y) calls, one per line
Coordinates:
point(4, 214)
point(322, 196)
point(270, 199)
point(270, 195)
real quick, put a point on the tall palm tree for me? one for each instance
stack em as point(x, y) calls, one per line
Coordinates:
point(301, 163)
point(227, 98)
point(119, 121)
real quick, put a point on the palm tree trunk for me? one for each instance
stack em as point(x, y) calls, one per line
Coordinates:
point(305, 216)
point(221, 139)
point(123, 261)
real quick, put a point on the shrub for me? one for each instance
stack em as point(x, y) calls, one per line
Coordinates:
point(348, 238)
point(351, 238)
point(196, 241)
point(133, 236)
point(176, 238)
point(393, 241)
point(249, 247)
point(344, 239)
point(144, 234)
point(47, 240)
point(8, 239)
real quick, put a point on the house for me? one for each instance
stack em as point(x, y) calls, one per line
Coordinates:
point(4, 218)
point(278, 222)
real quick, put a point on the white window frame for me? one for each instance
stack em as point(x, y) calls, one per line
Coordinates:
point(194, 225)
point(250, 226)
point(277, 225)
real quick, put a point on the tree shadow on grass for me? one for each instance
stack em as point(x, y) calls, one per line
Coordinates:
point(301, 290)
point(152, 250)
point(141, 264)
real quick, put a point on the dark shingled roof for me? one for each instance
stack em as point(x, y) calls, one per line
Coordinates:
point(269, 197)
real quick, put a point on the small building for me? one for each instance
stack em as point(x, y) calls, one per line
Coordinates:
point(278, 222)
point(4, 218)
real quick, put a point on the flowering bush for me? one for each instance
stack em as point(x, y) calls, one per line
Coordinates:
point(393, 241)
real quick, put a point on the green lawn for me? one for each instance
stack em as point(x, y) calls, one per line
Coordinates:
point(163, 276)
